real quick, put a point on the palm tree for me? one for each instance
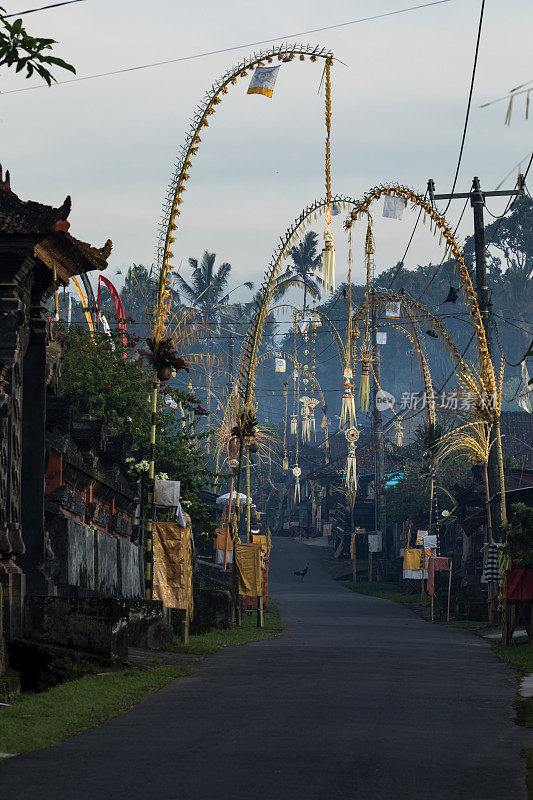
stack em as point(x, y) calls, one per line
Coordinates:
point(305, 262)
point(137, 294)
point(206, 289)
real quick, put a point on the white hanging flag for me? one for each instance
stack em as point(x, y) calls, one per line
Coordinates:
point(393, 207)
point(303, 324)
point(280, 365)
point(381, 337)
point(524, 398)
point(263, 81)
point(393, 309)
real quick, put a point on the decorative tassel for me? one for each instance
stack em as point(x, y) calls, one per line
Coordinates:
point(399, 432)
point(328, 262)
point(305, 427)
point(294, 424)
point(350, 476)
point(285, 463)
point(324, 423)
point(509, 111)
point(364, 386)
point(297, 491)
point(347, 418)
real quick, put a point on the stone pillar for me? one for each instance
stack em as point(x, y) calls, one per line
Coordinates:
point(15, 280)
point(34, 452)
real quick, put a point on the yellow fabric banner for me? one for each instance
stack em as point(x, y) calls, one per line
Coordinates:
point(219, 542)
point(260, 539)
point(412, 558)
point(248, 566)
point(173, 561)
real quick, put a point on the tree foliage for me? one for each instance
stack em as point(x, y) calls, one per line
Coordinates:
point(22, 51)
point(110, 380)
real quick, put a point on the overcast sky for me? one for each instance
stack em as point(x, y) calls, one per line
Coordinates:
point(398, 113)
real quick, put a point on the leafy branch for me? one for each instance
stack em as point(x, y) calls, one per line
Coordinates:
point(21, 50)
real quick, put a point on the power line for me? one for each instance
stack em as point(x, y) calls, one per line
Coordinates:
point(42, 8)
point(465, 128)
point(468, 104)
point(513, 93)
point(231, 49)
point(444, 256)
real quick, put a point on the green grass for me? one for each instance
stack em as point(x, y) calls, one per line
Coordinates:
point(204, 644)
point(466, 624)
point(39, 720)
point(387, 591)
point(520, 656)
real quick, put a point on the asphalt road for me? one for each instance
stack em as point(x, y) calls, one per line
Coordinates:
point(358, 698)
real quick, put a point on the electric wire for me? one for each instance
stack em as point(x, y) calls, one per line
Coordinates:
point(231, 49)
point(465, 128)
point(444, 256)
point(42, 8)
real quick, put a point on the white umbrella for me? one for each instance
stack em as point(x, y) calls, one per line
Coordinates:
point(223, 500)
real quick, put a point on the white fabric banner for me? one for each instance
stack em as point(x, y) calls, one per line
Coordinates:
point(393, 207)
point(381, 337)
point(414, 574)
point(263, 81)
point(167, 493)
point(393, 310)
point(525, 396)
point(280, 365)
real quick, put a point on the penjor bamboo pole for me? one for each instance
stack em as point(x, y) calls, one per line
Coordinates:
point(490, 587)
point(228, 525)
point(149, 550)
point(248, 498)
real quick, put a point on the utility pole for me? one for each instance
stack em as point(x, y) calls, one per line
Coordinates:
point(231, 357)
point(379, 456)
point(477, 201)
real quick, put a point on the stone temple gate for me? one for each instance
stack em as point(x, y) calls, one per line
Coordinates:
point(37, 255)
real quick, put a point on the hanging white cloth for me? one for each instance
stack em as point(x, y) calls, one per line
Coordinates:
point(393, 207)
point(263, 81)
point(525, 393)
point(167, 494)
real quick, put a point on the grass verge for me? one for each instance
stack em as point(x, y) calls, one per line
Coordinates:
point(39, 720)
point(204, 644)
point(520, 657)
point(387, 591)
point(420, 605)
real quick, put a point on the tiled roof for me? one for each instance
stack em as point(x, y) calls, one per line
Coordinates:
point(25, 217)
point(56, 247)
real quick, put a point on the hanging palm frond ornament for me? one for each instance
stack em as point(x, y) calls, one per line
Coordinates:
point(350, 474)
point(164, 358)
point(398, 427)
point(366, 356)
point(296, 471)
point(313, 402)
point(328, 257)
point(305, 419)
point(347, 418)
point(328, 253)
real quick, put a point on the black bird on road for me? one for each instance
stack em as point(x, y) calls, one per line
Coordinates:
point(302, 572)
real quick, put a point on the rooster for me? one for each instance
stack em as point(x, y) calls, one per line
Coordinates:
point(302, 572)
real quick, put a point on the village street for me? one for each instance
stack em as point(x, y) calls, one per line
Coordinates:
point(358, 698)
